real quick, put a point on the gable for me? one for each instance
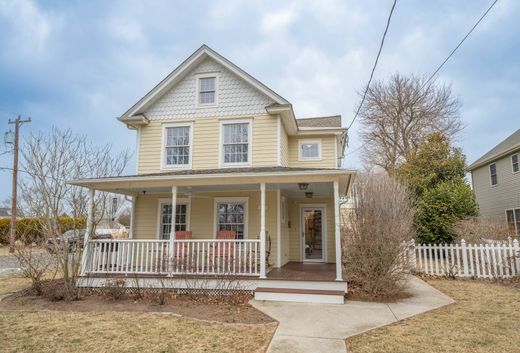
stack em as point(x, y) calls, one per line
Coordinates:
point(235, 96)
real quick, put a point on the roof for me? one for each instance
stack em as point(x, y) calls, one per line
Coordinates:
point(509, 145)
point(325, 121)
point(184, 68)
point(209, 172)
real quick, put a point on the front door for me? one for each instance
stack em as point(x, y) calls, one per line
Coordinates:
point(312, 233)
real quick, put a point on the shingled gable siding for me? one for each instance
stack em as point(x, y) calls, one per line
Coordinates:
point(494, 200)
point(328, 159)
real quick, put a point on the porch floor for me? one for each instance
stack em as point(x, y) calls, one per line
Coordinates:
point(299, 271)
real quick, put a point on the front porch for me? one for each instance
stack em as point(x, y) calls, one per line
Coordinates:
point(278, 227)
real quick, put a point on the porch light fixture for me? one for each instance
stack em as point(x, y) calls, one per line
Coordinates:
point(309, 194)
point(303, 186)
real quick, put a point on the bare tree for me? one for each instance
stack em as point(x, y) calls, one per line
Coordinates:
point(380, 228)
point(50, 160)
point(400, 113)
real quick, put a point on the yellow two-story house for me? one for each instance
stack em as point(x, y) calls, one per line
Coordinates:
point(228, 183)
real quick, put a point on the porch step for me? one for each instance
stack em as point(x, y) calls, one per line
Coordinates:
point(300, 295)
point(297, 284)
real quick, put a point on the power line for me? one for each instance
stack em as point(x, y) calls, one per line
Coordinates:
point(460, 43)
point(375, 64)
point(437, 70)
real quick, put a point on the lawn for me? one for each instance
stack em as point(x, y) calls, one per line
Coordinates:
point(120, 331)
point(484, 319)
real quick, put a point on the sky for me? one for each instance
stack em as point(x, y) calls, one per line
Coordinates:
point(80, 64)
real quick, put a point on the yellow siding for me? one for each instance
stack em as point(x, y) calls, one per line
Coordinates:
point(328, 153)
point(206, 143)
point(145, 223)
point(284, 147)
point(295, 230)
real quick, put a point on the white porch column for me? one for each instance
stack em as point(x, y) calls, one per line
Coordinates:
point(89, 231)
point(132, 218)
point(172, 231)
point(337, 232)
point(262, 230)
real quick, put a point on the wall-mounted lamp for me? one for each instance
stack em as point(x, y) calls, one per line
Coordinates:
point(303, 186)
point(144, 192)
point(309, 194)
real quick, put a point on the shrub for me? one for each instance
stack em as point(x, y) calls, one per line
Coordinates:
point(476, 229)
point(381, 227)
point(31, 228)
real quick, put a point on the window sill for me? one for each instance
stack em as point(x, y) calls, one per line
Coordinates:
point(177, 167)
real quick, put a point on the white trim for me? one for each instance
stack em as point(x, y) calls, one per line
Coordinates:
point(132, 217)
point(164, 166)
point(337, 233)
point(231, 199)
point(496, 174)
point(324, 234)
point(517, 161)
point(249, 142)
point(168, 201)
point(278, 228)
point(279, 140)
point(309, 141)
point(197, 78)
point(138, 151)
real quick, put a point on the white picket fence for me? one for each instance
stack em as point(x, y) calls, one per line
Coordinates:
point(490, 260)
point(187, 257)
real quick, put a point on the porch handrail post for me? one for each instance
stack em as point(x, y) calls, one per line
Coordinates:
point(88, 230)
point(172, 231)
point(262, 230)
point(337, 232)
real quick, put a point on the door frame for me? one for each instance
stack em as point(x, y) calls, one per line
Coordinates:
point(323, 207)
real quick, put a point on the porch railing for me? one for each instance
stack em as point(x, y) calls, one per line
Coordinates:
point(186, 257)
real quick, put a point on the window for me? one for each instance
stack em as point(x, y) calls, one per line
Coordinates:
point(231, 215)
point(177, 145)
point(514, 163)
point(166, 219)
point(493, 174)
point(310, 150)
point(513, 221)
point(207, 90)
point(235, 143)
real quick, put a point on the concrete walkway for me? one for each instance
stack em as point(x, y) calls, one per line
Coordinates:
point(324, 327)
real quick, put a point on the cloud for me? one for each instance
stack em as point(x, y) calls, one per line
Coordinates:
point(278, 20)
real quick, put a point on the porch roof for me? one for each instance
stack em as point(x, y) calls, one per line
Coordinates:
point(221, 176)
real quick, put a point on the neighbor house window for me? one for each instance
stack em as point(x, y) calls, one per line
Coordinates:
point(493, 174)
point(514, 163)
point(310, 149)
point(207, 90)
point(177, 146)
point(166, 219)
point(231, 215)
point(513, 221)
point(236, 147)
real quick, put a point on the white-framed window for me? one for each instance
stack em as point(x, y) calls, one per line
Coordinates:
point(514, 163)
point(231, 214)
point(207, 94)
point(182, 217)
point(513, 221)
point(309, 150)
point(177, 145)
point(235, 143)
point(493, 174)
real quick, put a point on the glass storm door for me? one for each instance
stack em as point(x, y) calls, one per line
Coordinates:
point(312, 233)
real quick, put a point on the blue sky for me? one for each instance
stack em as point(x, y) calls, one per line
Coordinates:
point(80, 64)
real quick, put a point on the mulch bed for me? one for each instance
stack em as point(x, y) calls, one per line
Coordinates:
point(225, 309)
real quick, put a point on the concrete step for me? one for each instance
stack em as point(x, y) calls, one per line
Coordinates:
point(300, 295)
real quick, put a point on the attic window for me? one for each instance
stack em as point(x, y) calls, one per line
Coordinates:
point(207, 90)
point(310, 150)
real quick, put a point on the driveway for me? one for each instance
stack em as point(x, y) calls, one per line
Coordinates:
point(316, 328)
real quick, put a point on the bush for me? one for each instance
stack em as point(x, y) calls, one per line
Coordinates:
point(31, 228)
point(478, 229)
point(381, 228)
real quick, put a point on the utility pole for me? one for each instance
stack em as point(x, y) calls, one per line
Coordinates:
point(17, 123)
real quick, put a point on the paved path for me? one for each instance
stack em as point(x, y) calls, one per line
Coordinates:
point(324, 327)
